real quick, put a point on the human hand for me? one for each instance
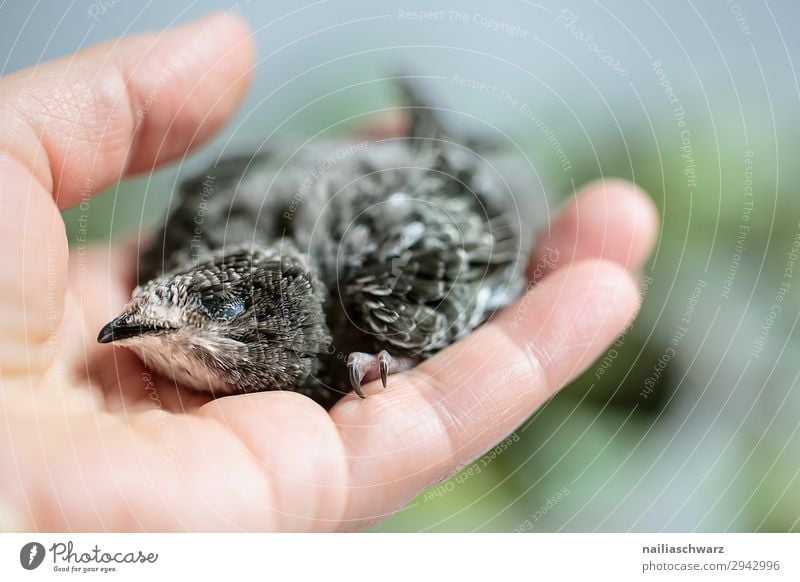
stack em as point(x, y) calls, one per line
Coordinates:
point(94, 442)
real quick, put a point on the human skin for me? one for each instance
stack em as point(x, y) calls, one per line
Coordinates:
point(94, 442)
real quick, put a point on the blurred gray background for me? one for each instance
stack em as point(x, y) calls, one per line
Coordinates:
point(691, 421)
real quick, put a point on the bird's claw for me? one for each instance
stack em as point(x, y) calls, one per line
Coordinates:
point(356, 371)
point(363, 367)
point(384, 359)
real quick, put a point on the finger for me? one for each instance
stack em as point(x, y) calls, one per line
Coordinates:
point(77, 469)
point(294, 443)
point(609, 219)
point(81, 122)
point(439, 416)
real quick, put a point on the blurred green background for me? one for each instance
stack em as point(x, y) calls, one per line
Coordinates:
point(690, 422)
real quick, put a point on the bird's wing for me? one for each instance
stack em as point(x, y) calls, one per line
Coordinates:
point(436, 269)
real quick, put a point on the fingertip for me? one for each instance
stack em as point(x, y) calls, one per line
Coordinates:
point(631, 221)
point(126, 105)
point(224, 27)
point(610, 219)
point(233, 36)
point(188, 84)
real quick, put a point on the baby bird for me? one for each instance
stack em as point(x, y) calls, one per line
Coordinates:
point(325, 266)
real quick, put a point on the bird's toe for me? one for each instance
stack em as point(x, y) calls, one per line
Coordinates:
point(363, 367)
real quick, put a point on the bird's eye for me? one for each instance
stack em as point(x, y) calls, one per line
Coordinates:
point(222, 308)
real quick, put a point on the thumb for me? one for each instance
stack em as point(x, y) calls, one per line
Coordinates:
point(72, 127)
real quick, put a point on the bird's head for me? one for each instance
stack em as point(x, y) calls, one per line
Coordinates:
point(236, 321)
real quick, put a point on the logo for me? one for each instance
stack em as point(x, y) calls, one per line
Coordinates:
point(31, 555)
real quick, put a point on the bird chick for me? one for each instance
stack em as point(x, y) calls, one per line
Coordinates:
point(326, 266)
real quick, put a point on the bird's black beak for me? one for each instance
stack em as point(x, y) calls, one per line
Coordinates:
point(122, 328)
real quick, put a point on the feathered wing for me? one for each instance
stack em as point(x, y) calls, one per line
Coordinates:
point(441, 257)
point(427, 241)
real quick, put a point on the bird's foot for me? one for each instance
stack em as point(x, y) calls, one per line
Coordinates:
point(367, 367)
